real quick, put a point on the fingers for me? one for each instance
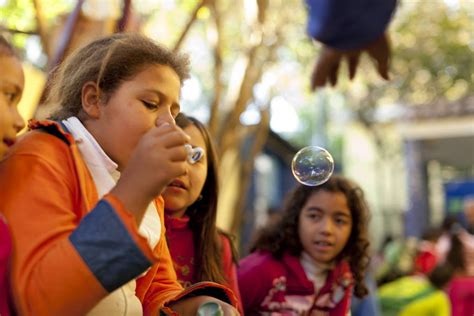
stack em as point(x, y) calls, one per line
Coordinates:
point(380, 52)
point(170, 135)
point(353, 60)
point(326, 67)
point(333, 74)
point(177, 169)
point(173, 139)
point(178, 154)
point(318, 76)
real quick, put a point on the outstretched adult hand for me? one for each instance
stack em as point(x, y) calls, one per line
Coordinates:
point(328, 62)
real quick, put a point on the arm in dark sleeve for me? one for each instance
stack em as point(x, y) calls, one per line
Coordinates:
point(348, 24)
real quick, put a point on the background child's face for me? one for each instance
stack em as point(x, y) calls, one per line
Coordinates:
point(325, 224)
point(133, 109)
point(185, 190)
point(11, 87)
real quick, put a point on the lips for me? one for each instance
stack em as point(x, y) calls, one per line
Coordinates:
point(323, 245)
point(9, 141)
point(178, 184)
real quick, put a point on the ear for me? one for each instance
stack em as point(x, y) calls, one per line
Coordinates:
point(91, 99)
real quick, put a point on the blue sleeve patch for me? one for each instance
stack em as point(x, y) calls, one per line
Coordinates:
point(104, 243)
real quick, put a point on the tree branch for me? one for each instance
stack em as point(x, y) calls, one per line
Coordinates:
point(218, 86)
point(127, 10)
point(64, 41)
point(15, 31)
point(191, 20)
point(41, 25)
point(260, 135)
point(66, 35)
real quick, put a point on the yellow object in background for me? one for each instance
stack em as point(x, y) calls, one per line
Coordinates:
point(35, 81)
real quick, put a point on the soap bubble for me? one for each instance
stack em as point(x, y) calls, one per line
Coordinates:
point(312, 165)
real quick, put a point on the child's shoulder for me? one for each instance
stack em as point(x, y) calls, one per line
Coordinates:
point(228, 250)
point(261, 266)
point(43, 138)
point(41, 146)
point(261, 261)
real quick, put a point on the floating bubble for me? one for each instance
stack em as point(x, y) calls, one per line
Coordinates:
point(312, 165)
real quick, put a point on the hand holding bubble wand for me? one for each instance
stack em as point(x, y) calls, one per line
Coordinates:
point(194, 154)
point(312, 165)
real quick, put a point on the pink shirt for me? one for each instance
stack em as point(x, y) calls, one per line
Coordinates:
point(5, 252)
point(181, 244)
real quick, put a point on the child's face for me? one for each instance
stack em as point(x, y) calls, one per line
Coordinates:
point(185, 190)
point(325, 224)
point(152, 96)
point(11, 87)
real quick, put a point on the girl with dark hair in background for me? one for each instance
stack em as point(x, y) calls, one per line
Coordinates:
point(315, 255)
point(200, 251)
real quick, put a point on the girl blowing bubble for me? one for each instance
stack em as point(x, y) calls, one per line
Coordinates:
point(11, 87)
point(81, 194)
point(309, 262)
point(200, 251)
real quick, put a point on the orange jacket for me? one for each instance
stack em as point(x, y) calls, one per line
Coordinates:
point(70, 249)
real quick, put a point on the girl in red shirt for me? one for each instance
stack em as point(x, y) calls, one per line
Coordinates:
point(200, 251)
point(313, 258)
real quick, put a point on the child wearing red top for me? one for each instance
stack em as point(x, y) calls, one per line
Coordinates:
point(199, 250)
point(309, 262)
point(11, 88)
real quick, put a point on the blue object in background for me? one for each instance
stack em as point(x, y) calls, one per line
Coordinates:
point(455, 194)
point(368, 305)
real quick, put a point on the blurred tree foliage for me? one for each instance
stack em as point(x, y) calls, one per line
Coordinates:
point(433, 44)
point(20, 16)
point(433, 49)
point(247, 53)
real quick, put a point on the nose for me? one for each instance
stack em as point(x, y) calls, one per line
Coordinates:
point(18, 121)
point(327, 226)
point(165, 117)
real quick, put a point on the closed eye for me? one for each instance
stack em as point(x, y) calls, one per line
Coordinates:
point(149, 105)
point(10, 96)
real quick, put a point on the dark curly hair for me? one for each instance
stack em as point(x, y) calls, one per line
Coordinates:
point(283, 236)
